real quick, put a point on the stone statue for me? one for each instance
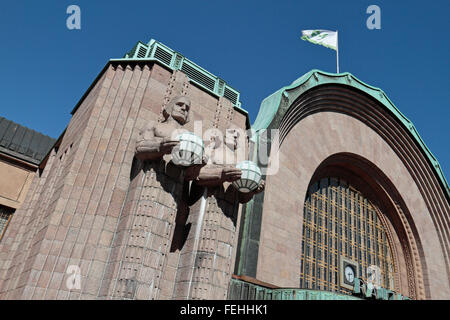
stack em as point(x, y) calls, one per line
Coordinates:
point(156, 139)
point(222, 160)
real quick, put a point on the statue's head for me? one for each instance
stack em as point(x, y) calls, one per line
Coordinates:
point(232, 136)
point(178, 109)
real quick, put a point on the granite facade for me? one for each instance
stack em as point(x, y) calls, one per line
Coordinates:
point(91, 209)
point(129, 229)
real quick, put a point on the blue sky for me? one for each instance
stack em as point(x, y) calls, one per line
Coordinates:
point(254, 46)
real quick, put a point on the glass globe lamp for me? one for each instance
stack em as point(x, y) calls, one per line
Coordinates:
point(189, 151)
point(250, 178)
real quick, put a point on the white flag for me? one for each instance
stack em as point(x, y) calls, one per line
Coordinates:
point(323, 37)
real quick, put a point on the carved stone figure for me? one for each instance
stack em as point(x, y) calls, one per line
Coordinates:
point(159, 139)
point(156, 139)
point(221, 166)
point(155, 198)
point(212, 222)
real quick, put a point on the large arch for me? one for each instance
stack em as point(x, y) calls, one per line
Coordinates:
point(367, 178)
point(324, 119)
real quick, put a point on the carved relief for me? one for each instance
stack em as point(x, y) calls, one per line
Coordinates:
point(395, 258)
point(415, 273)
point(177, 85)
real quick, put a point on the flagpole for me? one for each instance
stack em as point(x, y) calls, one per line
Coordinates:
point(337, 52)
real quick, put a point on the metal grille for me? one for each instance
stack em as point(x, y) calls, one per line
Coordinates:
point(230, 95)
point(340, 221)
point(5, 217)
point(198, 76)
point(155, 50)
point(142, 51)
point(163, 55)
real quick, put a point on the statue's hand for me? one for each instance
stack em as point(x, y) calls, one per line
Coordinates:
point(167, 144)
point(246, 197)
point(205, 159)
point(148, 149)
point(231, 174)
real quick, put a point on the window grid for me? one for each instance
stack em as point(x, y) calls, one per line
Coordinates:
point(5, 217)
point(339, 221)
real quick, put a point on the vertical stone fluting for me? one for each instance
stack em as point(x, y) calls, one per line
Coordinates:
point(20, 232)
point(206, 259)
point(148, 230)
point(38, 222)
point(85, 210)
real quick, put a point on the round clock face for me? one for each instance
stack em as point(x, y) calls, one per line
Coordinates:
point(349, 274)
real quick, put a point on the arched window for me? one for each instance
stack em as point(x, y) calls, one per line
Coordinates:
point(340, 223)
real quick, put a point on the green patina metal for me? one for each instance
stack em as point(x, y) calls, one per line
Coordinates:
point(156, 51)
point(275, 106)
point(242, 290)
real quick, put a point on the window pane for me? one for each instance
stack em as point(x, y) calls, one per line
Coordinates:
point(339, 220)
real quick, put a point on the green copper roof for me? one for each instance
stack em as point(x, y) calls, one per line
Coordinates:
point(156, 51)
point(269, 107)
point(242, 290)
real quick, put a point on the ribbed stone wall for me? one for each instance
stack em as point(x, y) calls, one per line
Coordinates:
point(85, 210)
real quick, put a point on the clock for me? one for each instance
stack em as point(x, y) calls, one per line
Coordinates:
point(349, 274)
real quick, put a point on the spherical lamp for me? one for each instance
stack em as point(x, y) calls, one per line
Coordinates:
point(189, 151)
point(250, 178)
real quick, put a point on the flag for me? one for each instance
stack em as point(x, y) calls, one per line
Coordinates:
point(323, 37)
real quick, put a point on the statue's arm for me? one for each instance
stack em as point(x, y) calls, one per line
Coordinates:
point(214, 175)
point(152, 145)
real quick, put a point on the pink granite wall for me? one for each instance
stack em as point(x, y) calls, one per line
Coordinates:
point(72, 213)
point(312, 140)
